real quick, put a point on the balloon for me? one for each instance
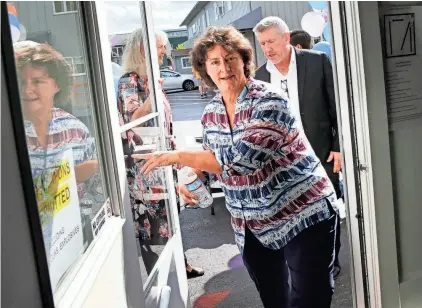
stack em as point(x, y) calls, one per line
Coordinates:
point(313, 23)
point(319, 5)
point(15, 33)
point(323, 47)
point(326, 33)
point(22, 30)
point(13, 21)
point(11, 9)
point(325, 13)
point(14, 27)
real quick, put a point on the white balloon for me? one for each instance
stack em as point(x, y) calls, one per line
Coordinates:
point(22, 36)
point(313, 23)
point(15, 33)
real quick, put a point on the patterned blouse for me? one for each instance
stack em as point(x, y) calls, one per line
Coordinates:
point(149, 214)
point(273, 182)
point(68, 132)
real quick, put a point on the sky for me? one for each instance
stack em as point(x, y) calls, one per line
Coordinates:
point(124, 16)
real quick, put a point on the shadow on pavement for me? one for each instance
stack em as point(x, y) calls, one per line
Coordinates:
point(200, 229)
point(209, 242)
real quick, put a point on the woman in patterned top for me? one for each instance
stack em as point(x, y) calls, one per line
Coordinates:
point(45, 81)
point(149, 214)
point(281, 202)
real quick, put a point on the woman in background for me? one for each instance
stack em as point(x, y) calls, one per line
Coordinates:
point(150, 217)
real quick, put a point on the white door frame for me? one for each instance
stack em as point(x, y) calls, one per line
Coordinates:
point(369, 126)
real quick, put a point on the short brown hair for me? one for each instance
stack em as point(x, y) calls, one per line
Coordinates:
point(300, 37)
point(45, 56)
point(231, 40)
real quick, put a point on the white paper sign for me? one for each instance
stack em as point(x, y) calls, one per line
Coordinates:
point(402, 28)
point(58, 206)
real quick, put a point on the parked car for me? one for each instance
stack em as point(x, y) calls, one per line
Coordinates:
point(175, 80)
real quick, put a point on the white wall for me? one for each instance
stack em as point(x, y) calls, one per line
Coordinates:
point(108, 290)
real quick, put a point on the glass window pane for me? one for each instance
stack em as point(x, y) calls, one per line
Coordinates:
point(63, 145)
point(58, 6)
point(70, 6)
point(148, 194)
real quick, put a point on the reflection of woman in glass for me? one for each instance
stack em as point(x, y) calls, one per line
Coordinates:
point(150, 217)
point(45, 80)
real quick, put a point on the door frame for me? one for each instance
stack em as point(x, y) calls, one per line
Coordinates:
point(375, 232)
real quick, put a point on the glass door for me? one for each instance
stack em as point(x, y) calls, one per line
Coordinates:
point(378, 76)
point(144, 127)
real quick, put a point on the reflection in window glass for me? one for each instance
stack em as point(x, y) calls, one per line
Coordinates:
point(62, 144)
point(148, 194)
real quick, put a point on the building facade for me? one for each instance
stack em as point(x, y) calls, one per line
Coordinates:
point(243, 15)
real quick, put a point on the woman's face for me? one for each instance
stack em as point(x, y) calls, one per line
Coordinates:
point(225, 69)
point(37, 88)
point(161, 50)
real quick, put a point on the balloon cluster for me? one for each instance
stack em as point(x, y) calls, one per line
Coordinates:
point(17, 30)
point(316, 22)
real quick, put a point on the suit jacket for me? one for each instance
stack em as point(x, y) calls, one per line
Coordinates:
point(317, 104)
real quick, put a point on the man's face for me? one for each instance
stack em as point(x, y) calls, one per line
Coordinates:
point(274, 44)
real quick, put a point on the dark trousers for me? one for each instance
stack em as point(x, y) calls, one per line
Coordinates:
point(310, 259)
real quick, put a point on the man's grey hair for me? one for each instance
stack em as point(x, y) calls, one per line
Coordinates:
point(271, 22)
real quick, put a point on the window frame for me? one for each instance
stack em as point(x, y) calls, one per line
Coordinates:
point(80, 276)
point(64, 5)
point(207, 17)
point(216, 15)
point(183, 65)
point(71, 61)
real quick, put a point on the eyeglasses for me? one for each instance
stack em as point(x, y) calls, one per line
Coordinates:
point(285, 87)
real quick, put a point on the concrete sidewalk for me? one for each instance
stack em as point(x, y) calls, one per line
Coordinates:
point(209, 243)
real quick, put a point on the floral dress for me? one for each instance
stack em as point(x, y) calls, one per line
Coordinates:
point(149, 212)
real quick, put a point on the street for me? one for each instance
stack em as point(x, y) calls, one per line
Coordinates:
point(187, 105)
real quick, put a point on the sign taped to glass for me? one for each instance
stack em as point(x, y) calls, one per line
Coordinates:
point(58, 205)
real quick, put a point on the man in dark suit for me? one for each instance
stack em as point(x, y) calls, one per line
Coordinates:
point(307, 79)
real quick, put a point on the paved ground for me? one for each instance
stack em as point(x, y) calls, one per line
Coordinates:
point(187, 105)
point(209, 243)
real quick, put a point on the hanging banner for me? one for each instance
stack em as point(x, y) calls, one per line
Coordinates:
point(58, 207)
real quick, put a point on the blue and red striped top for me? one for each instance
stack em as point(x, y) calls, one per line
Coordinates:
point(272, 180)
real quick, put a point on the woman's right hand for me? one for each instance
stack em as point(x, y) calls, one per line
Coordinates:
point(188, 197)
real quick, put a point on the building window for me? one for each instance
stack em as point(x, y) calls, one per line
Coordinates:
point(64, 7)
point(203, 21)
point(219, 9)
point(117, 54)
point(216, 10)
point(70, 183)
point(77, 65)
point(196, 27)
point(229, 6)
point(186, 62)
point(207, 17)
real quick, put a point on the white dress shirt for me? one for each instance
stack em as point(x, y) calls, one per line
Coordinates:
point(278, 78)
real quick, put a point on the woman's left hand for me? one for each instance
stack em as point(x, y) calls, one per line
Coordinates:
point(157, 159)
